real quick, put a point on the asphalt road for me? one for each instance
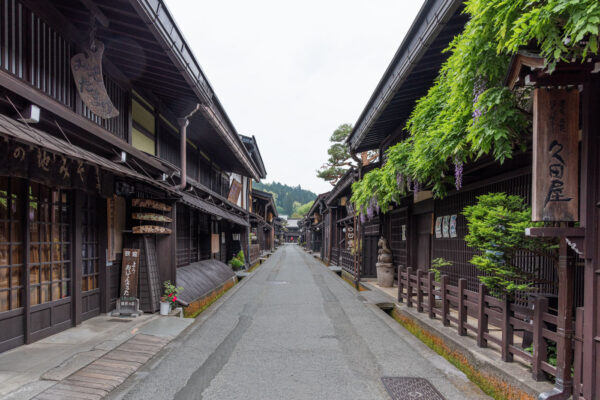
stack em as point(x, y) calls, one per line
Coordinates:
point(293, 330)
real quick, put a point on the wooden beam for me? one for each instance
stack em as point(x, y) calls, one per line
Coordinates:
point(63, 26)
point(46, 102)
point(552, 232)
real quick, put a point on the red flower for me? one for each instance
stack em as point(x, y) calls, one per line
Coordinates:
point(174, 298)
point(170, 294)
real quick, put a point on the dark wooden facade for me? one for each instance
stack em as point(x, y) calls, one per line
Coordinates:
point(568, 290)
point(68, 180)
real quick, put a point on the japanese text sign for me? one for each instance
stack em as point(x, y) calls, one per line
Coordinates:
point(555, 192)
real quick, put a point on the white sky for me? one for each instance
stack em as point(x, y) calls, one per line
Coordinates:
point(291, 72)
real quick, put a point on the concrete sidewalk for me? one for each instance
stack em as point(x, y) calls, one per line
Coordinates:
point(30, 369)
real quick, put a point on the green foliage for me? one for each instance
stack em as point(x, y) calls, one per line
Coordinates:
point(468, 112)
point(436, 266)
point(301, 210)
point(170, 293)
point(496, 226)
point(285, 195)
point(339, 156)
point(238, 261)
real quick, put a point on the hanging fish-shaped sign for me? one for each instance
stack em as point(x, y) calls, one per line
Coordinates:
point(87, 72)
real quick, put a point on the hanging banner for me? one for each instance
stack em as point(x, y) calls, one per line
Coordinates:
point(555, 179)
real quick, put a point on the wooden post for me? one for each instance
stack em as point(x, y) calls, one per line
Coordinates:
point(408, 287)
point(540, 347)
point(23, 197)
point(430, 295)
point(462, 315)
point(445, 308)
point(564, 327)
point(104, 278)
point(507, 331)
point(400, 284)
point(419, 291)
point(77, 226)
point(578, 361)
point(482, 317)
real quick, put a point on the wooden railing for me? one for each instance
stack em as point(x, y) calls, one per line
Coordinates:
point(347, 261)
point(254, 253)
point(492, 322)
point(335, 255)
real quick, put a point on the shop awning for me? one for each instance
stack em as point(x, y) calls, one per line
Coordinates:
point(213, 209)
point(28, 135)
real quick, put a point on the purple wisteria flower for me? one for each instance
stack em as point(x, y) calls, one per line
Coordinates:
point(458, 173)
point(400, 180)
point(370, 211)
point(416, 186)
point(478, 89)
point(362, 218)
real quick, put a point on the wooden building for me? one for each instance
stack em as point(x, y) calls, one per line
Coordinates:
point(292, 233)
point(420, 228)
point(262, 219)
point(111, 138)
point(314, 225)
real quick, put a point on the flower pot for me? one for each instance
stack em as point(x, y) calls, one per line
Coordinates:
point(385, 274)
point(165, 308)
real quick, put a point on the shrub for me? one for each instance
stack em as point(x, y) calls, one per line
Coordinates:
point(497, 229)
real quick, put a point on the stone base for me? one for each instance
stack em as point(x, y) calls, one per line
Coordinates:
point(131, 308)
point(385, 274)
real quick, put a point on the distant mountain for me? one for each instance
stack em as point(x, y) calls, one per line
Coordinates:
point(285, 196)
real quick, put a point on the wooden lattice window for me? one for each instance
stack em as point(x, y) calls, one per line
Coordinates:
point(89, 245)
point(49, 244)
point(11, 243)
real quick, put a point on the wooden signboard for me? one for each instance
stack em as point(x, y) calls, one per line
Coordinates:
point(214, 243)
point(555, 192)
point(129, 273)
point(151, 217)
point(234, 191)
point(151, 230)
point(153, 204)
point(349, 237)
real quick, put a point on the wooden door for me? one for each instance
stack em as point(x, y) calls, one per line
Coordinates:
point(370, 249)
point(49, 266)
point(90, 257)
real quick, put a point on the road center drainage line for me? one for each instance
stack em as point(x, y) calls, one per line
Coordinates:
point(361, 361)
point(200, 380)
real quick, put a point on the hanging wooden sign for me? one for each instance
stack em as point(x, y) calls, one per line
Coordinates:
point(87, 74)
point(151, 217)
point(234, 191)
point(349, 237)
point(151, 229)
point(555, 192)
point(214, 243)
point(153, 204)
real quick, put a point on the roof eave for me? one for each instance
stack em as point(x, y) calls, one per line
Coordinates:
point(433, 13)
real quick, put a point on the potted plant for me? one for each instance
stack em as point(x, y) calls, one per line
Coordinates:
point(169, 298)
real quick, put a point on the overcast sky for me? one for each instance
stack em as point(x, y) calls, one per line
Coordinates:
point(291, 72)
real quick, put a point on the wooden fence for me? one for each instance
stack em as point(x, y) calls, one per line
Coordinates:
point(514, 330)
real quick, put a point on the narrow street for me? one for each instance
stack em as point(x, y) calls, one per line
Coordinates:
point(294, 330)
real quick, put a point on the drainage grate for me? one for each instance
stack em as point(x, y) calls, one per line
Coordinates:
point(410, 388)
